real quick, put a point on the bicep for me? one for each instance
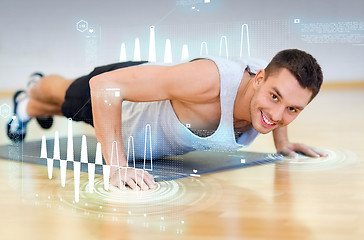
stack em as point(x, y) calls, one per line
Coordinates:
point(192, 81)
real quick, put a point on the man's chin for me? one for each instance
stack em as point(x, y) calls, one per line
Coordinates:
point(263, 130)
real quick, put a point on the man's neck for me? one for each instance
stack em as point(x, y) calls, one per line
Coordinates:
point(243, 99)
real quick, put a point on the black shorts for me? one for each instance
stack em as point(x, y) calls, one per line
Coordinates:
point(77, 103)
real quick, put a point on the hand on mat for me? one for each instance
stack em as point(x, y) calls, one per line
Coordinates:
point(136, 179)
point(290, 149)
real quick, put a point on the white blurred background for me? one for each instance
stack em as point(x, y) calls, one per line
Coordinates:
point(42, 36)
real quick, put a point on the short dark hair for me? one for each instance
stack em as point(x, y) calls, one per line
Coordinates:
point(301, 65)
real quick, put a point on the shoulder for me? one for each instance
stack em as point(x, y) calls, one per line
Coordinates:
point(194, 81)
point(199, 69)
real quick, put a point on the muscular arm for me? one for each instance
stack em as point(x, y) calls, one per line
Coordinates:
point(189, 82)
point(280, 136)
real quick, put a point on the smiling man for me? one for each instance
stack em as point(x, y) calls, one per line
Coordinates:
point(225, 105)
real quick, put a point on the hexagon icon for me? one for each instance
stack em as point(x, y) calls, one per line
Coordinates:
point(82, 26)
point(4, 110)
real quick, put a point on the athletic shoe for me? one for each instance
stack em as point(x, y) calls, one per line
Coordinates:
point(33, 79)
point(45, 122)
point(16, 129)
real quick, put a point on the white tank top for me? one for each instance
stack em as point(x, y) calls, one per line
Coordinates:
point(170, 137)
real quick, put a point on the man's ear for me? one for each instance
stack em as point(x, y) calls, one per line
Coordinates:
point(259, 78)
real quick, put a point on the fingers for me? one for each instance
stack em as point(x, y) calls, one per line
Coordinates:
point(292, 154)
point(292, 150)
point(149, 180)
point(142, 179)
point(115, 179)
point(136, 179)
point(289, 153)
point(310, 151)
point(131, 183)
point(320, 152)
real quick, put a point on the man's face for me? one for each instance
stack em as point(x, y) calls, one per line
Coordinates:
point(277, 101)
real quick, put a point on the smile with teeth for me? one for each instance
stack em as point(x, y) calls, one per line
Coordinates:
point(266, 121)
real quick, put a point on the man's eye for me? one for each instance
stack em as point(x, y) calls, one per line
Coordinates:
point(274, 97)
point(291, 109)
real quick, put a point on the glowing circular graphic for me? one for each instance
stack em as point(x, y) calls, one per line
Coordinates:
point(170, 199)
point(337, 158)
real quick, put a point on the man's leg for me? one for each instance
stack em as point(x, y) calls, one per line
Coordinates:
point(55, 95)
point(47, 96)
point(42, 100)
point(37, 108)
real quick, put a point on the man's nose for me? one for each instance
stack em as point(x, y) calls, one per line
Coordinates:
point(277, 113)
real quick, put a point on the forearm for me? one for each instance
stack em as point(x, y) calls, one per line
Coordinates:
point(280, 136)
point(106, 110)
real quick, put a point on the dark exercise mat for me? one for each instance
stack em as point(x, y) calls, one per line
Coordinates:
point(168, 168)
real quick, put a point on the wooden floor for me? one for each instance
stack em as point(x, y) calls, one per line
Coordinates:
point(294, 199)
